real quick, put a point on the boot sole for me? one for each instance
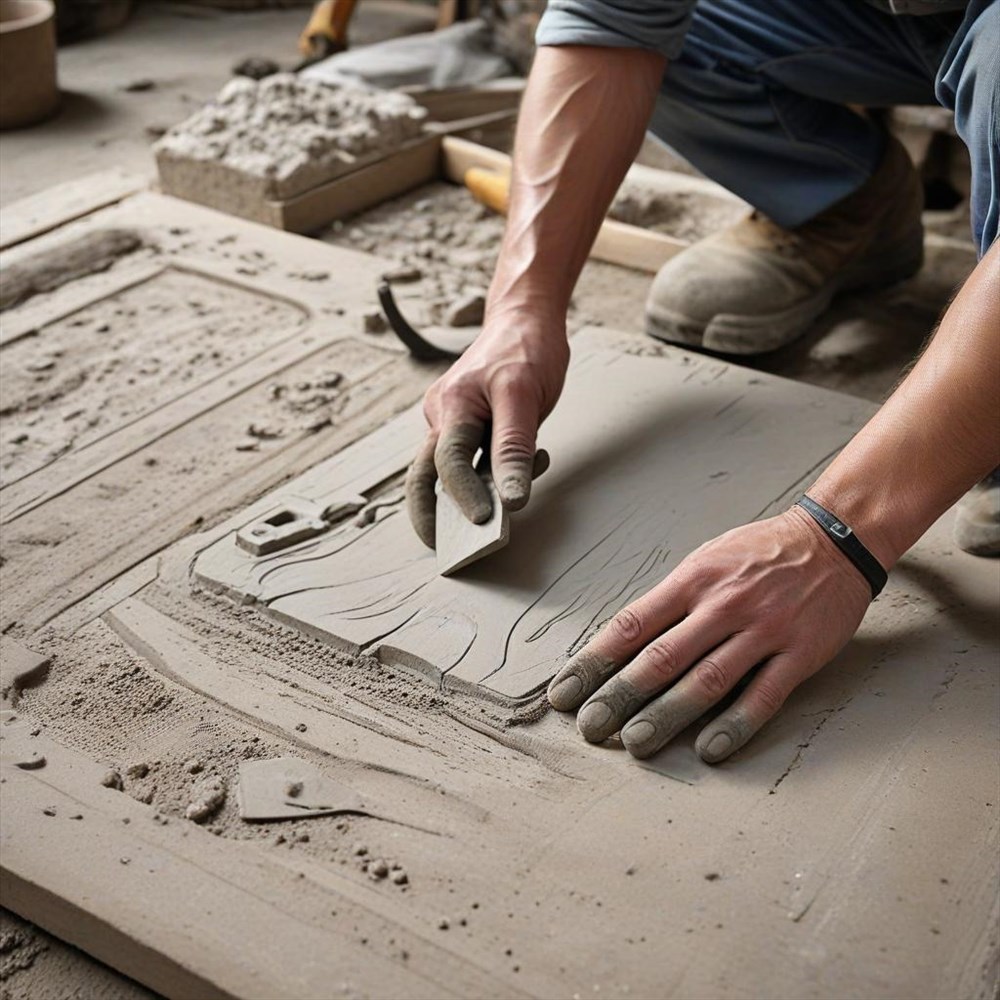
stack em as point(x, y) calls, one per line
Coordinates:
point(729, 333)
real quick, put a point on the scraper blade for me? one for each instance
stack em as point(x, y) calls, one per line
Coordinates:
point(459, 542)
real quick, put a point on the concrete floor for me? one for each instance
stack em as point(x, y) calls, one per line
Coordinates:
point(187, 52)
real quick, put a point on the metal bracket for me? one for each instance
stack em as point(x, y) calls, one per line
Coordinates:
point(297, 520)
point(288, 525)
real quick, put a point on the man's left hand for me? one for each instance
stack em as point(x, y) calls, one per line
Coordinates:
point(775, 595)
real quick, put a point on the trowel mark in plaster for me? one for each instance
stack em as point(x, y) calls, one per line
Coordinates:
point(642, 572)
point(512, 621)
point(293, 564)
point(647, 566)
point(429, 620)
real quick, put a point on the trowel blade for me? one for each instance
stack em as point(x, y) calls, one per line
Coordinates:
point(458, 541)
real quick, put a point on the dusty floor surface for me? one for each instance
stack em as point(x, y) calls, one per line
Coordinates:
point(86, 381)
point(36, 966)
point(860, 346)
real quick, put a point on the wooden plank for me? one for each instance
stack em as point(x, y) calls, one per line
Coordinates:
point(635, 247)
point(386, 178)
point(38, 213)
point(463, 102)
point(641, 500)
point(460, 155)
point(616, 242)
point(185, 913)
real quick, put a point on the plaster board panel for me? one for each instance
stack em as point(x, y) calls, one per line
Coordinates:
point(652, 455)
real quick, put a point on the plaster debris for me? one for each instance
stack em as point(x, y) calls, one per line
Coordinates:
point(256, 67)
point(374, 322)
point(403, 275)
point(292, 133)
point(687, 215)
point(139, 769)
point(112, 779)
point(210, 794)
point(19, 947)
point(467, 311)
point(20, 668)
point(31, 763)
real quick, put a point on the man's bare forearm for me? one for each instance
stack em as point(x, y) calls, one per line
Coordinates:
point(938, 434)
point(582, 120)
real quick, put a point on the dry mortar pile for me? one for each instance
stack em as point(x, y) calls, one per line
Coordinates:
point(289, 133)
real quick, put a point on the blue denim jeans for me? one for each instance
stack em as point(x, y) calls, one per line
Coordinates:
point(758, 98)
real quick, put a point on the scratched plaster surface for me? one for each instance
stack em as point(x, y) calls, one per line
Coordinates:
point(651, 457)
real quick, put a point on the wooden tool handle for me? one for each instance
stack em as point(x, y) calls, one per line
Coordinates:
point(489, 187)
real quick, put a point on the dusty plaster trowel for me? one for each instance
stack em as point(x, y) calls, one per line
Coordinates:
point(292, 788)
point(458, 541)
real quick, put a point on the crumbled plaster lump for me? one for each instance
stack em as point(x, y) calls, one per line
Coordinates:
point(294, 133)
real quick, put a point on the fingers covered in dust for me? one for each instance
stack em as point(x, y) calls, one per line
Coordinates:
point(768, 603)
point(492, 400)
point(702, 686)
point(466, 484)
point(453, 457)
point(421, 502)
point(614, 646)
point(512, 442)
point(757, 705)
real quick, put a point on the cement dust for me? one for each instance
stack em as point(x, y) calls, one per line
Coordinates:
point(34, 965)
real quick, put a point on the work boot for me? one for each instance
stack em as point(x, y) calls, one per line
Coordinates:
point(757, 286)
point(977, 519)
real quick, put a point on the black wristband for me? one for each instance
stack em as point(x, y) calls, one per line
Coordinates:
point(845, 540)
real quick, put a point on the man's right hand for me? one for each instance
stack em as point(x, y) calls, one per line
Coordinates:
point(581, 123)
point(494, 397)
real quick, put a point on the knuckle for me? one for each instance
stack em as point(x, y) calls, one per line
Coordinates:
point(627, 625)
point(662, 659)
point(515, 446)
point(769, 696)
point(451, 394)
point(449, 449)
point(732, 601)
point(431, 408)
point(711, 678)
point(507, 379)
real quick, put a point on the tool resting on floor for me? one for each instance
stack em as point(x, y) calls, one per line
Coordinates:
point(326, 32)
